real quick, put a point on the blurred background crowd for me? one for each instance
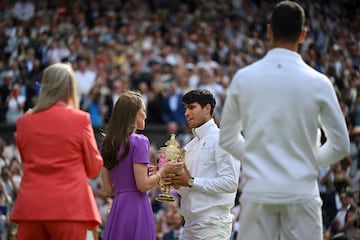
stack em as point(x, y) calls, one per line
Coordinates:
point(164, 49)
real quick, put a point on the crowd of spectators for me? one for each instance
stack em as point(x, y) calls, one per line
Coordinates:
point(163, 49)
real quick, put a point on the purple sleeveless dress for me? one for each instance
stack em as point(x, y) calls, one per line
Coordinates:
point(131, 216)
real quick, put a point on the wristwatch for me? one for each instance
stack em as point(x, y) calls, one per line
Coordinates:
point(191, 182)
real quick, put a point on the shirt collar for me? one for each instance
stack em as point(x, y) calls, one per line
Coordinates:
point(284, 52)
point(201, 131)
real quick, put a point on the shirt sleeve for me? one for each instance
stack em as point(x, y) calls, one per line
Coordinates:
point(92, 158)
point(141, 150)
point(333, 123)
point(231, 138)
point(227, 175)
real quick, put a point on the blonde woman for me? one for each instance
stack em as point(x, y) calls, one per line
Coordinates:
point(59, 153)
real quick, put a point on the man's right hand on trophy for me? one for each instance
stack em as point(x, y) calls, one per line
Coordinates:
point(168, 169)
point(181, 178)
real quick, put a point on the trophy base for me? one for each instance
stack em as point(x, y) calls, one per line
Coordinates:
point(165, 198)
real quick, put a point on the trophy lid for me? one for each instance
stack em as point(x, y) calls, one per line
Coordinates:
point(172, 141)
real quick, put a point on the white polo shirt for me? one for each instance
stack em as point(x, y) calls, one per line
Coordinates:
point(278, 103)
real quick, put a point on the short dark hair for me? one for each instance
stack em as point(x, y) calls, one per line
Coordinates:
point(287, 21)
point(201, 96)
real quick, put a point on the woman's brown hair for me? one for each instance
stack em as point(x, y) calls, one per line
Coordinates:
point(120, 127)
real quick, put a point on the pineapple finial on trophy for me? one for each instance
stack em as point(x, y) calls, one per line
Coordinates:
point(173, 150)
point(172, 141)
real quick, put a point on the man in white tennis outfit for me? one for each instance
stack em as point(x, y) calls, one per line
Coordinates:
point(277, 105)
point(209, 182)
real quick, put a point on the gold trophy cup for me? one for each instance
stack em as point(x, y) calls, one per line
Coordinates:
point(172, 152)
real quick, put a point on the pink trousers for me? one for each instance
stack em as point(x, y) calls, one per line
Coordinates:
point(52, 230)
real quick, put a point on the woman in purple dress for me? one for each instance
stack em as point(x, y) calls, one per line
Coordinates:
point(126, 172)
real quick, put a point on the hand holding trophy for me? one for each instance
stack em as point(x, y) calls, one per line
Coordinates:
point(171, 153)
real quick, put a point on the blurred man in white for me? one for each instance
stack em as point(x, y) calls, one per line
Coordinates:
point(278, 104)
point(86, 78)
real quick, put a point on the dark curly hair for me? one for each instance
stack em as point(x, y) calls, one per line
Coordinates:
point(201, 96)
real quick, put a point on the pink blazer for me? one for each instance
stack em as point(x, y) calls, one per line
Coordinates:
point(59, 153)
